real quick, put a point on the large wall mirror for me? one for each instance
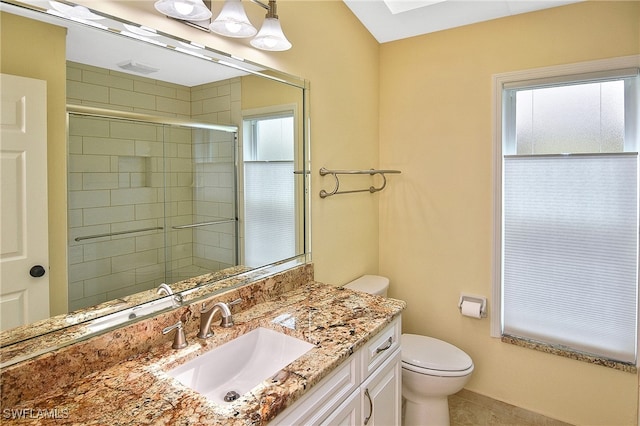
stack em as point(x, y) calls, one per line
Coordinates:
point(185, 166)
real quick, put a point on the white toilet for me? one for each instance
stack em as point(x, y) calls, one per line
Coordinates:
point(431, 369)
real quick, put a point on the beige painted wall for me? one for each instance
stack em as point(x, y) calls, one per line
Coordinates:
point(24, 54)
point(436, 218)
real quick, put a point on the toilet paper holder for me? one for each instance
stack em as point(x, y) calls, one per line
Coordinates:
point(475, 299)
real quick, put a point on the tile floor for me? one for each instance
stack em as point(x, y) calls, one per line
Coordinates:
point(468, 408)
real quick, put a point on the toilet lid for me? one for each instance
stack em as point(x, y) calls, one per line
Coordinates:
point(427, 352)
point(372, 284)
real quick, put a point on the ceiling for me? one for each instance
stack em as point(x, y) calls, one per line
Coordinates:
point(417, 17)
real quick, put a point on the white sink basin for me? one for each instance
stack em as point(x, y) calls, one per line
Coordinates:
point(240, 365)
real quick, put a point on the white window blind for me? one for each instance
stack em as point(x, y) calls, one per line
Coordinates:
point(570, 251)
point(269, 212)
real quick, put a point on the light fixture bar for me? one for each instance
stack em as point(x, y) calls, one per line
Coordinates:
point(259, 3)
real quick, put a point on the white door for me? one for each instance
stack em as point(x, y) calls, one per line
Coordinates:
point(24, 251)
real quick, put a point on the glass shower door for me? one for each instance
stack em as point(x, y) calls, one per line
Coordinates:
point(200, 202)
point(149, 203)
point(115, 208)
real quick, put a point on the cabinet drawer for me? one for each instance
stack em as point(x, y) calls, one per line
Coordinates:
point(322, 399)
point(378, 349)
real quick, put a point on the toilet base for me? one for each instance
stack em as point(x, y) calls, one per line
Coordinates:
point(429, 412)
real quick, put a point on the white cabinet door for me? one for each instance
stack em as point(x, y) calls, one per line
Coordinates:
point(325, 398)
point(381, 394)
point(347, 414)
point(344, 399)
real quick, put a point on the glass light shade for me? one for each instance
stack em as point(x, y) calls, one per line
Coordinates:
point(233, 21)
point(271, 37)
point(74, 12)
point(187, 10)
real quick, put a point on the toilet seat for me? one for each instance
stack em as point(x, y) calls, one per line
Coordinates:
point(434, 357)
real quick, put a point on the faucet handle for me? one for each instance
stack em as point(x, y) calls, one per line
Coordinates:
point(179, 340)
point(227, 321)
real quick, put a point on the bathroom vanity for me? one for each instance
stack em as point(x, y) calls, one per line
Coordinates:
point(351, 373)
point(366, 389)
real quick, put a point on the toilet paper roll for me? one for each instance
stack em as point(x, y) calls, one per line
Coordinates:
point(471, 309)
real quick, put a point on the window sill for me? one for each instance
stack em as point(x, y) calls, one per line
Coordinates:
point(568, 353)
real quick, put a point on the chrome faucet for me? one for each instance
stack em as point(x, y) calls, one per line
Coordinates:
point(164, 289)
point(207, 313)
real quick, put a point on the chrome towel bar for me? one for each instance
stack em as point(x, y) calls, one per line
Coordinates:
point(90, 237)
point(195, 225)
point(371, 189)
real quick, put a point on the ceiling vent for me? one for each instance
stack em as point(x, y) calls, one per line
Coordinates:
point(137, 67)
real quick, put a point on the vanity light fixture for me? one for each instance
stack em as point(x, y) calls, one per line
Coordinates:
point(187, 10)
point(233, 21)
point(270, 36)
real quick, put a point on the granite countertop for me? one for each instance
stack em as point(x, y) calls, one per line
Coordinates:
point(206, 283)
point(139, 390)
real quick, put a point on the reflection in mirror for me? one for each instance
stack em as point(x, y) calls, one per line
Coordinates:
point(149, 203)
point(184, 167)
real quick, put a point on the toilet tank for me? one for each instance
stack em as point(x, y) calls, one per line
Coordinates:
point(372, 284)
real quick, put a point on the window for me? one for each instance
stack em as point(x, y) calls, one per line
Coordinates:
point(269, 188)
point(567, 208)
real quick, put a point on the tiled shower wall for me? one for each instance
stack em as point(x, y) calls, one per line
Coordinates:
point(117, 182)
point(214, 246)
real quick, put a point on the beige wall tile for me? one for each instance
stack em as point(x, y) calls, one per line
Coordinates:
point(87, 270)
point(107, 146)
point(88, 92)
point(149, 211)
point(128, 130)
point(89, 163)
point(135, 260)
point(107, 79)
point(133, 196)
point(104, 284)
point(106, 215)
point(174, 106)
point(84, 199)
point(132, 99)
point(105, 249)
point(91, 181)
